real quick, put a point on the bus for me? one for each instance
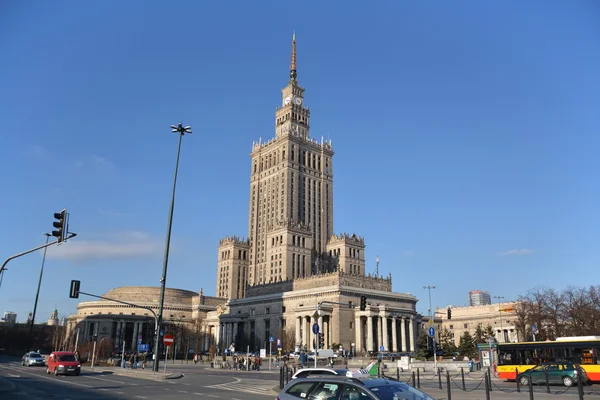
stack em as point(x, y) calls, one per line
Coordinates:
point(521, 356)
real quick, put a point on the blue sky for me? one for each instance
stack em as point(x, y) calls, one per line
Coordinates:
point(466, 137)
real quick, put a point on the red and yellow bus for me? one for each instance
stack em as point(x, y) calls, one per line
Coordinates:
point(582, 350)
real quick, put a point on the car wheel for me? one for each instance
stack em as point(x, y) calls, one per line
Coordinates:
point(56, 372)
point(568, 381)
point(48, 370)
point(524, 381)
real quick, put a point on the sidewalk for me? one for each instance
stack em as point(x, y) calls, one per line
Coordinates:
point(146, 373)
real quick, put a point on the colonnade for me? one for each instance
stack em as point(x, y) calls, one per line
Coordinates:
point(373, 331)
point(305, 337)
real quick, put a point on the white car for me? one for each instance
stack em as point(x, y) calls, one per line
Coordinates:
point(33, 358)
point(307, 372)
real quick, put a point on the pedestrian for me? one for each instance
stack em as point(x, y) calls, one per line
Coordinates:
point(132, 360)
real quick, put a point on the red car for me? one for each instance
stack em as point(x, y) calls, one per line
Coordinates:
point(63, 363)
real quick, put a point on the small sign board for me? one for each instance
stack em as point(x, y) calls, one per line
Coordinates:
point(143, 347)
point(278, 342)
point(316, 315)
point(168, 340)
point(270, 338)
point(381, 348)
point(315, 328)
point(431, 332)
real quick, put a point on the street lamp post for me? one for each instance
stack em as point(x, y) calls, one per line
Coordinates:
point(2, 276)
point(500, 312)
point(37, 295)
point(431, 325)
point(163, 280)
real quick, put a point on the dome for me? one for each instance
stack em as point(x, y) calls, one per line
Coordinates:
point(150, 295)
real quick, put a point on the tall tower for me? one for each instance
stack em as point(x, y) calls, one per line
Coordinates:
point(291, 193)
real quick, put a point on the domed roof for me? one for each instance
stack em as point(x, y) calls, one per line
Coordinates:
point(150, 295)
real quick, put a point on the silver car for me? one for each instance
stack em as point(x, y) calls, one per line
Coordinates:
point(33, 358)
point(334, 387)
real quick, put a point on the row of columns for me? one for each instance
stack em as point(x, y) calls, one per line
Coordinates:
point(207, 336)
point(304, 332)
point(227, 333)
point(381, 322)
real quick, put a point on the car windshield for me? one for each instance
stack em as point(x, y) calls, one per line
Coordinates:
point(35, 355)
point(66, 357)
point(399, 392)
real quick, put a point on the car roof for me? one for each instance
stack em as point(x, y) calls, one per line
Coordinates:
point(366, 380)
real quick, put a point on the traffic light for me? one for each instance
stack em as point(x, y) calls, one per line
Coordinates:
point(60, 225)
point(74, 292)
point(449, 314)
point(363, 303)
point(321, 340)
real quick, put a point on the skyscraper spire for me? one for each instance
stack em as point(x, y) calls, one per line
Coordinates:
point(293, 65)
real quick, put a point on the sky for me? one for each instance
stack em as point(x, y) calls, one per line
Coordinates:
point(465, 137)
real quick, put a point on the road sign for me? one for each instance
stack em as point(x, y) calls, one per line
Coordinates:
point(381, 348)
point(278, 342)
point(168, 340)
point(430, 321)
point(315, 328)
point(431, 332)
point(316, 315)
point(143, 347)
point(533, 329)
point(270, 338)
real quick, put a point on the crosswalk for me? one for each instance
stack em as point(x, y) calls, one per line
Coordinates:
point(256, 386)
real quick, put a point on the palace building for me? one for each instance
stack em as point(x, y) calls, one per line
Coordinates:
point(270, 283)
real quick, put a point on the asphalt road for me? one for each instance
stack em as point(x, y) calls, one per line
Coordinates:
point(200, 381)
point(17, 382)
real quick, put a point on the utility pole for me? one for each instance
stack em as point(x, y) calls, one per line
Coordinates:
point(431, 325)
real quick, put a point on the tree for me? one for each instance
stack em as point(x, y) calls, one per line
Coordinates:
point(466, 346)
point(479, 335)
point(447, 341)
point(423, 351)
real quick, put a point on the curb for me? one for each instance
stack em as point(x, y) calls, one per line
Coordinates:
point(157, 377)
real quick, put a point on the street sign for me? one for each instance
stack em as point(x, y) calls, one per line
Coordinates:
point(315, 328)
point(278, 342)
point(533, 329)
point(430, 321)
point(270, 338)
point(168, 340)
point(431, 332)
point(143, 347)
point(381, 348)
point(316, 315)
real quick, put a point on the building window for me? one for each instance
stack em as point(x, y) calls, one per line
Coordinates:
point(351, 325)
point(268, 309)
point(451, 326)
point(466, 326)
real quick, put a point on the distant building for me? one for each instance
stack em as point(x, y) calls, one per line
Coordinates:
point(9, 317)
point(29, 318)
point(500, 317)
point(53, 320)
point(479, 298)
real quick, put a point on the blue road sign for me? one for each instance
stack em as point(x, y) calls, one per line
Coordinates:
point(143, 347)
point(533, 329)
point(270, 338)
point(315, 328)
point(381, 348)
point(278, 342)
point(431, 331)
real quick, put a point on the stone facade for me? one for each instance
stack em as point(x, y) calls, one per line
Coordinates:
point(501, 317)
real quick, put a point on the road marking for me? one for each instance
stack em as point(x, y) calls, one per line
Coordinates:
point(233, 398)
point(107, 380)
point(56, 380)
point(140, 397)
point(167, 389)
point(14, 376)
point(102, 389)
point(199, 394)
point(187, 384)
point(119, 393)
point(182, 391)
point(212, 395)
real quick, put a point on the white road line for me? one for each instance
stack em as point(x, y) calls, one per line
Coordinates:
point(107, 380)
point(57, 380)
point(199, 394)
point(14, 376)
point(102, 389)
point(167, 389)
point(119, 393)
point(212, 395)
point(140, 397)
point(187, 384)
point(182, 391)
point(233, 398)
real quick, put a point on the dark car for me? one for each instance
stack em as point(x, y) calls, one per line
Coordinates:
point(338, 387)
point(561, 373)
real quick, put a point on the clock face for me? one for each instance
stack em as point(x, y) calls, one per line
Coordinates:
point(287, 100)
point(298, 100)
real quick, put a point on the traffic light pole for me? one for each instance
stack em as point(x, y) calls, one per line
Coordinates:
point(72, 235)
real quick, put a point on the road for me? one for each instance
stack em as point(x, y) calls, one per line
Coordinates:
point(17, 382)
point(203, 382)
